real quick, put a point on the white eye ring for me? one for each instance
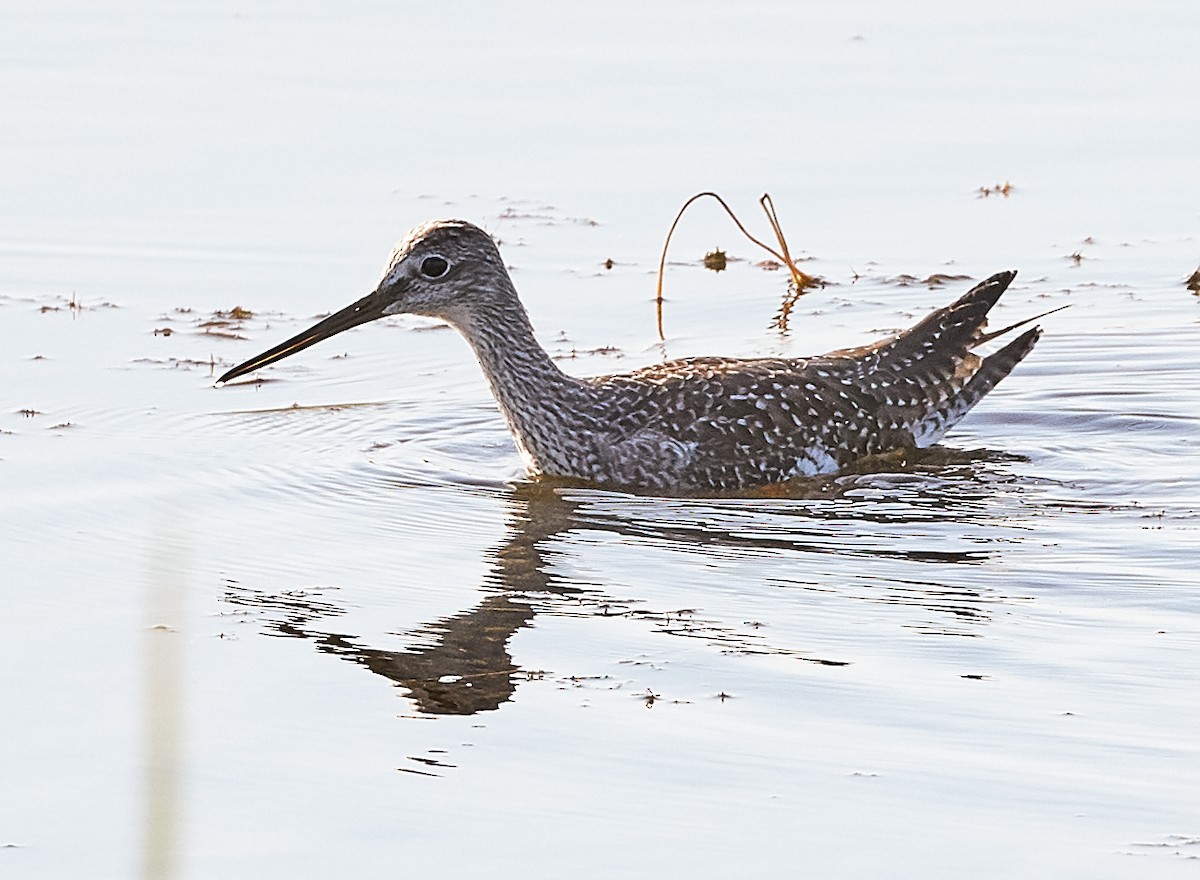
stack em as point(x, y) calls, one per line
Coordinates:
point(435, 266)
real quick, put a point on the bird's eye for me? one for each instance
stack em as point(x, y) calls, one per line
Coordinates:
point(434, 267)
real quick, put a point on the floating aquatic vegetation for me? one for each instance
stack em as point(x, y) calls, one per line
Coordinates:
point(716, 260)
point(225, 324)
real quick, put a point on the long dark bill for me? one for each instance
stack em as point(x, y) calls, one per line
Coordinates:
point(366, 309)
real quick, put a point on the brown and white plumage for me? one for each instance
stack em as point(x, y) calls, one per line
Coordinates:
point(696, 423)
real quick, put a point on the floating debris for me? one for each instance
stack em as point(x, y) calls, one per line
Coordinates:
point(74, 305)
point(716, 260)
point(602, 351)
point(931, 281)
point(1000, 189)
point(225, 324)
point(178, 363)
point(938, 279)
point(223, 334)
point(547, 216)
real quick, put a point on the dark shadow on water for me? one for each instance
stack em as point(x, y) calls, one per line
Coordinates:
point(461, 665)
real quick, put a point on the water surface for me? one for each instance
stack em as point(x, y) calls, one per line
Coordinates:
point(322, 625)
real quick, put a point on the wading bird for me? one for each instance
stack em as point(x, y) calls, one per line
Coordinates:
point(695, 424)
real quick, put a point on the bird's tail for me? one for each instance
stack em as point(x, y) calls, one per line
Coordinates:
point(945, 414)
point(924, 380)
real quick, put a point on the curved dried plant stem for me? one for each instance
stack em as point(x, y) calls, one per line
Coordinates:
point(801, 279)
point(658, 297)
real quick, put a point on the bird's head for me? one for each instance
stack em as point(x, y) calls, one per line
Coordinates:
point(448, 269)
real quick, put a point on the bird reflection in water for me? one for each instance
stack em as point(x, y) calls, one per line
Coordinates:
point(461, 665)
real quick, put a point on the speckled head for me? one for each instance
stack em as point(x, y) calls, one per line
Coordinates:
point(448, 269)
point(444, 269)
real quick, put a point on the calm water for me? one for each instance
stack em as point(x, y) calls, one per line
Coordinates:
point(322, 626)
